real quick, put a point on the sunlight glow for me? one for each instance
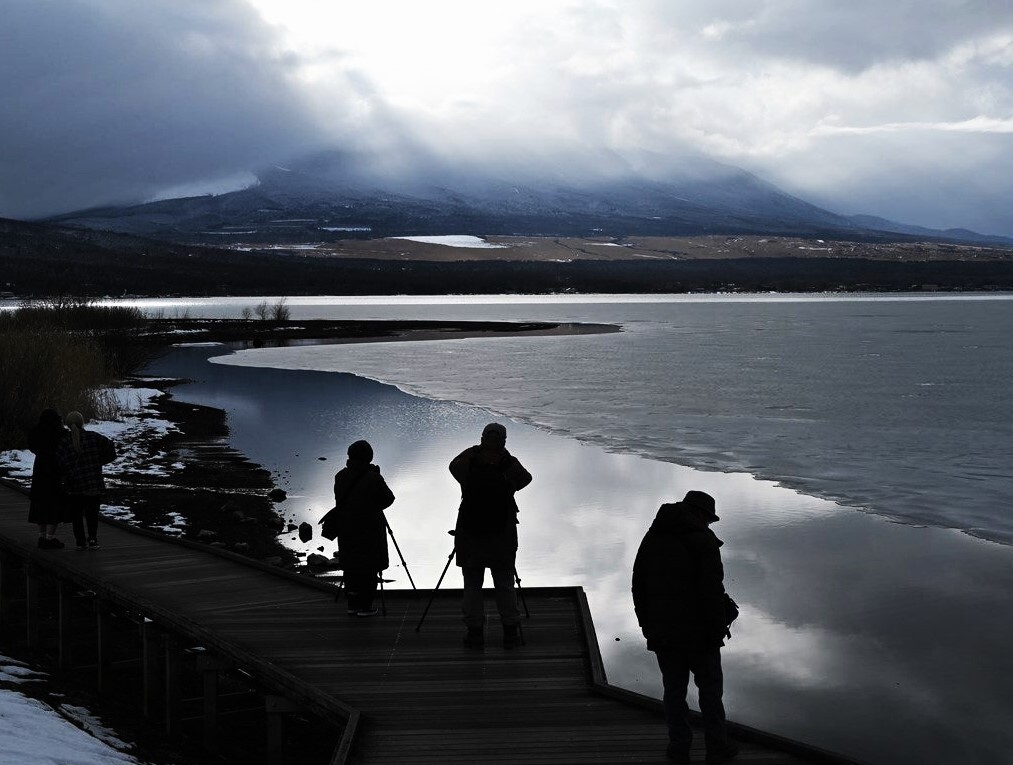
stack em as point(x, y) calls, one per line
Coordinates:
point(413, 52)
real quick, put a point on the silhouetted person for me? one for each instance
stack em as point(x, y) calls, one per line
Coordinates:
point(486, 533)
point(81, 455)
point(360, 497)
point(679, 597)
point(48, 503)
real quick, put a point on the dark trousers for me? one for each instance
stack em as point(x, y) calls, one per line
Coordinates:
point(84, 509)
point(360, 586)
point(473, 605)
point(705, 664)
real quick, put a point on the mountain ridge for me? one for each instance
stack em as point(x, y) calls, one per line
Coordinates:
point(334, 195)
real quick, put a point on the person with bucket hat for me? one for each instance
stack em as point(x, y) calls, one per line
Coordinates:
point(680, 601)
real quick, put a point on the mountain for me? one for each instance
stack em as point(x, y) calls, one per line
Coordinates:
point(339, 194)
point(874, 223)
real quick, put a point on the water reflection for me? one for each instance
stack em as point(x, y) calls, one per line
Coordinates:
point(882, 641)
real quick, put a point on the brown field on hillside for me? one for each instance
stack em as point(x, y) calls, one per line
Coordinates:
point(564, 250)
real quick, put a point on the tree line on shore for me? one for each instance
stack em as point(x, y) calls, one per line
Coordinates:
point(60, 354)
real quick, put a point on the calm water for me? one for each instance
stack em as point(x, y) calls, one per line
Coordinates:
point(888, 641)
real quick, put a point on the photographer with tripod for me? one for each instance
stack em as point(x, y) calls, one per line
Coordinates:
point(486, 533)
point(357, 520)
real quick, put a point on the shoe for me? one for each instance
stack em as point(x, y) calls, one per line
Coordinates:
point(512, 636)
point(366, 612)
point(474, 638)
point(54, 544)
point(722, 753)
point(93, 544)
point(353, 611)
point(82, 545)
point(677, 752)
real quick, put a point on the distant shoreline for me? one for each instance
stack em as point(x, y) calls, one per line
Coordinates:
point(255, 333)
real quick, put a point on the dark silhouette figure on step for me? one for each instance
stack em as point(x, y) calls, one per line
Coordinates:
point(680, 601)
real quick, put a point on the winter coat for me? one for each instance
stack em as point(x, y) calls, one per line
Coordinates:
point(47, 502)
point(486, 530)
point(360, 497)
point(678, 582)
point(82, 468)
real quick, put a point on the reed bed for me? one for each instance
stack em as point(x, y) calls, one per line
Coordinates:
point(61, 355)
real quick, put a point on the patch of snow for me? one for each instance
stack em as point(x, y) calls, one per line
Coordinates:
point(93, 725)
point(124, 514)
point(16, 672)
point(196, 345)
point(34, 733)
point(177, 527)
point(460, 240)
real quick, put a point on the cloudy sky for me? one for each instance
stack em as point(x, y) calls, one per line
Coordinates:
point(902, 109)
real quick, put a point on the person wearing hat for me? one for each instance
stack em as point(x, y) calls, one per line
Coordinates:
point(357, 520)
point(679, 598)
point(486, 533)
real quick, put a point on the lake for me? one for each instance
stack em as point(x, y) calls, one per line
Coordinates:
point(858, 448)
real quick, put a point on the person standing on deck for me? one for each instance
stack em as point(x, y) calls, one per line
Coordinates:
point(81, 455)
point(48, 504)
point(486, 531)
point(679, 598)
point(360, 497)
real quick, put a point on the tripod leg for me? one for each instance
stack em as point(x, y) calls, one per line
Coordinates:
point(396, 547)
point(383, 600)
point(433, 596)
point(524, 600)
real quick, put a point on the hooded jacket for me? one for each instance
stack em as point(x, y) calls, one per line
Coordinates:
point(678, 582)
point(360, 496)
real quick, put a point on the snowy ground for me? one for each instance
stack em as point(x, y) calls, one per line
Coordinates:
point(32, 730)
point(458, 240)
point(38, 728)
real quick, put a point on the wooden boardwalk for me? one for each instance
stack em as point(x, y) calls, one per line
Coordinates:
point(399, 695)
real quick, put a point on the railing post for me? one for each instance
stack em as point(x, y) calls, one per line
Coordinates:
point(32, 614)
point(8, 587)
point(102, 643)
point(150, 645)
point(65, 629)
point(276, 707)
point(209, 666)
point(173, 678)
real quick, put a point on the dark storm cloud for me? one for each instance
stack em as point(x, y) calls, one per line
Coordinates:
point(849, 36)
point(109, 100)
point(900, 109)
